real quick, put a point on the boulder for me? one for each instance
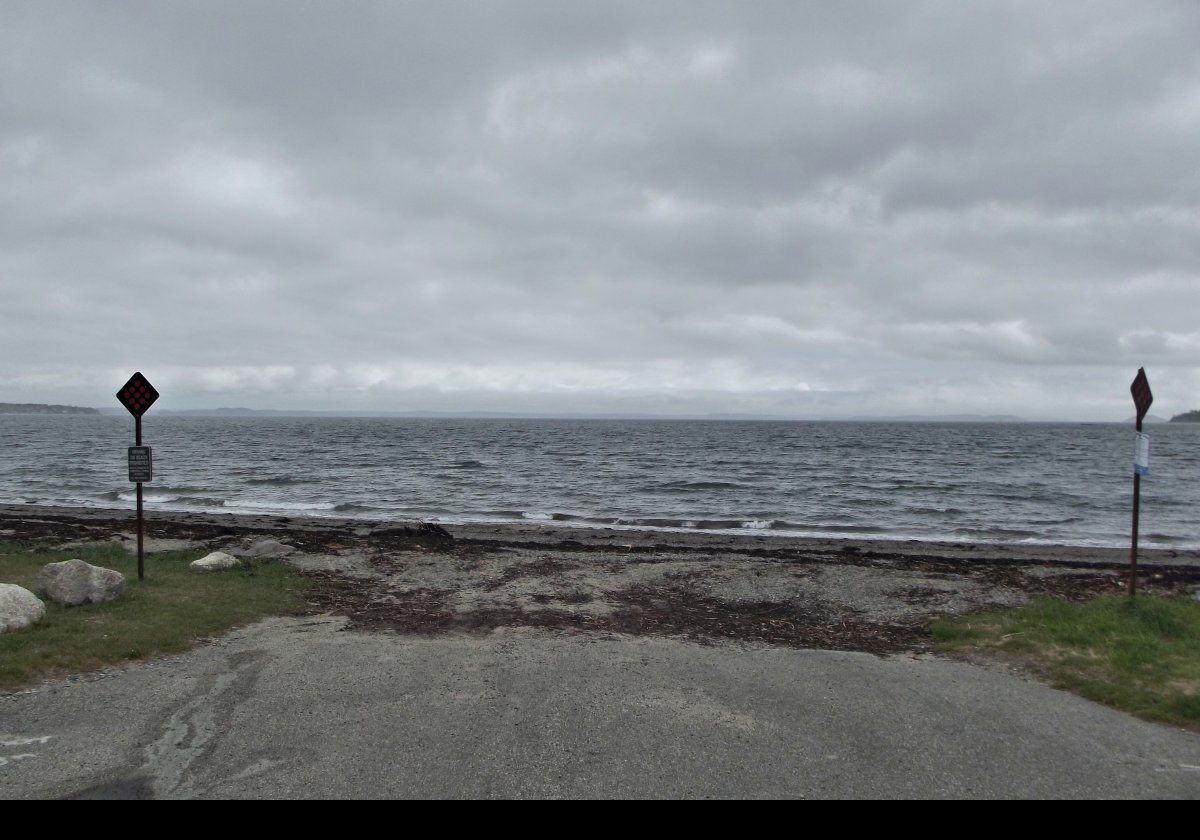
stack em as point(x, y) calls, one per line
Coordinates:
point(74, 582)
point(18, 607)
point(266, 549)
point(218, 561)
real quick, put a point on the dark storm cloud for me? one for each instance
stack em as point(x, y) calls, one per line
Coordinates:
point(797, 209)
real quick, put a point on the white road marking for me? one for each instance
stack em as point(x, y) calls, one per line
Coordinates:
point(10, 759)
point(10, 740)
point(24, 742)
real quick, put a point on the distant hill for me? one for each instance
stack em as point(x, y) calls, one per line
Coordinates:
point(1149, 418)
point(39, 408)
point(939, 418)
point(234, 412)
point(1187, 417)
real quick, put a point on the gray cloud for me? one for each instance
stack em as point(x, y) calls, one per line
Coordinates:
point(791, 209)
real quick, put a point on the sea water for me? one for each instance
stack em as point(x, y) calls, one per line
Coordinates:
point(1019, 482)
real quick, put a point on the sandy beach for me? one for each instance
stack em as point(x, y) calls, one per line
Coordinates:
point(414, 578)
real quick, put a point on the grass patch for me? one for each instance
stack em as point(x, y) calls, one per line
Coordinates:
point(166, 613)
point(1141, 656)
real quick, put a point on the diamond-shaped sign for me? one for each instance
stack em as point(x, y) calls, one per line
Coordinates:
point(137, 395)
point(1141, 393)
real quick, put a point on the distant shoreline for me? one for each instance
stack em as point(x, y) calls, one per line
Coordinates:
point(43, 408)
point(272, 413)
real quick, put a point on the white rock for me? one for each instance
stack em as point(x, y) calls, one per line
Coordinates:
point(268, 548)
point(18, 607)
point(216, 562)
point(74, 582)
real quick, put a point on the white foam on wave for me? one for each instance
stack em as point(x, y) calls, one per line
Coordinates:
point(148, 498)
point(540, 517)
point(757, 525)
point(270, 504)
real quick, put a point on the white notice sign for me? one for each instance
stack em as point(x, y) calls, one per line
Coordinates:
point(1141, 454)
point(141, 463)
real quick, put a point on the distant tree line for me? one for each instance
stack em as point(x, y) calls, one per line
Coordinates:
point(39, 408)
point(1187, 417)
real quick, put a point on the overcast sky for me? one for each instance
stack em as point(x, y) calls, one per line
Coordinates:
point(786, 209)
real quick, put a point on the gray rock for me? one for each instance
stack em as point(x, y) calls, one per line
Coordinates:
point(74, 582)
point(266, 549)
point(19, 607)
point(218, 561)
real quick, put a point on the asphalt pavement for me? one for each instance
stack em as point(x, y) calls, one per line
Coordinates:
point(301, 708)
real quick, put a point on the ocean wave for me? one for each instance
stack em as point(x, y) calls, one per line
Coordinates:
point(148, 498)
point(153, 494)
point(690, 486)
point(1165, 539)
point(1065, 520)
point(985, 534)
point(468, 465)
point(271, 504)
point(697, 523)
point(543, 516)
point(840, 529)
point(937, 511)
point(741, 525)
point(201, 501)
point(280, 480)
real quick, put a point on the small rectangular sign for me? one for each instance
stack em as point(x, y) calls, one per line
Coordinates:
point(141, 463)
point(1141, 454)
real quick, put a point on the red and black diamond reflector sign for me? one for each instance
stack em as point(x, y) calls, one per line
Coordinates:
point(1141, 393)
point(137, 395)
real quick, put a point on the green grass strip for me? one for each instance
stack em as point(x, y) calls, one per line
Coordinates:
point(1141, 656)
point(166, 613)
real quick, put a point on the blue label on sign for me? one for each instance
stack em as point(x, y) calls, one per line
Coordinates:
point(1141, 454)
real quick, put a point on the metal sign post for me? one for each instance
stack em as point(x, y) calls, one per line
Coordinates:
point(1142, 398)
point(137, 395)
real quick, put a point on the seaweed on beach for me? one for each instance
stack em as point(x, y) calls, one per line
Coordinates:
point(681, 612)
point(542, 567)
point(672, 611)
point(625, 583)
